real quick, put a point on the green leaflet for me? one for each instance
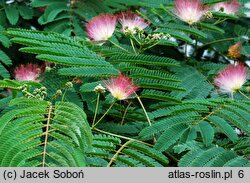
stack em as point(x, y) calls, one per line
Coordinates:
point(22, 134)
point(215, 156)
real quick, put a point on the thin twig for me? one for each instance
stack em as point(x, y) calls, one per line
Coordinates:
point(96, 108)
point(103, 115)
point(119, 46)
point(117, 152)
point(216, 41)
point(64, 95)
point(144, 110)
point(133, 46)
point(46, 135)
point(134, 140)
point(244, 95)
point(121, 136)
point(146, 114)
point(125, 112)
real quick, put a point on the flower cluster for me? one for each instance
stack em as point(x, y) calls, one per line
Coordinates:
point(102, 27)
point(130, 21)
point(231, 79)
point(29, 72)
point(192, 11)
point(120, 87)
point(189, 11)
point(227, 7)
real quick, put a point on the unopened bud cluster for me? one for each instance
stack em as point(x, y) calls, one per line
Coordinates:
point(99, 89)
point(57, 94)
point(130, 31)
point(38, 93)
point(69, 85)
point(154, 38)
point(208, 14)
point(248, 89)
point(158, 36)
point(71, 3)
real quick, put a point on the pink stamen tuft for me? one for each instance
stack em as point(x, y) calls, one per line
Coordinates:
point(231, 78)
point(120, 87)
point(29, 72)
point(101, 27)
point(189, 11)
point(227, 7)
point(130, 20)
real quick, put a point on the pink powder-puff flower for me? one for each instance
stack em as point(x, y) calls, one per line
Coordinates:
point(227, 7)
point(189, 11)
point(130, 21)
point(231, 78)
point(120, 87)
point(29, 72)
point(101, 27)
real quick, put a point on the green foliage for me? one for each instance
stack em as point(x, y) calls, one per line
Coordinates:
point(185, 29)
point(195, 84)
point(14, 84)
point(224, 15)
point(36, 133)
point(5, 60)
point(177, 117)
point(59, 49)
point(205, 118)
point(144, 69)
point(15, 10)
point(66, 17)
point(129, 154)
point(212, 157)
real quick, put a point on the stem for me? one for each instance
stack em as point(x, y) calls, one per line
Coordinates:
point(136, 38)
point(244, 95)
point(171, 156)
point(93, 126)
point(125, 112)
point(215, 23)
point(232, 95)
point(122, 137)
point(119, 46)
point(144, 110)
point(117, 152)
point(168, 12)
point(30, 94)
point(46, 135)
point(96, 108)
point(64, 95)
point(133, 46)
point(146, 114)
point(216, 41)
point(220, 21)
point(153, 45)
point(134, 140)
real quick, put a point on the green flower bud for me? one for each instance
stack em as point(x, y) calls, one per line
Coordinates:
point(69, 85)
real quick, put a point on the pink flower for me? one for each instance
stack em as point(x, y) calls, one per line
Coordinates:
point(29, 72)
point(190, 11)
point(130, 21)
point(120, 87)
point(101, 27)
point(227, 7)
point(231, 78)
